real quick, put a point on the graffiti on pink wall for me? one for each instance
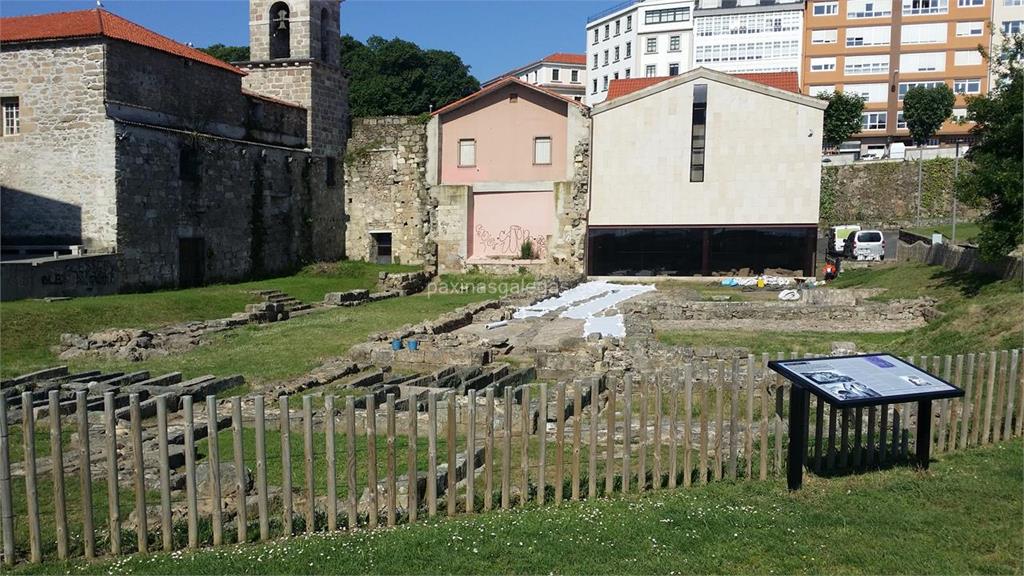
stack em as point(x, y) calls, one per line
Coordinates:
point(502, 221)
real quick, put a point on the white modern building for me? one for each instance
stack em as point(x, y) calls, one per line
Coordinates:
point(637, 38)
point(561, 73)
point(748, 35)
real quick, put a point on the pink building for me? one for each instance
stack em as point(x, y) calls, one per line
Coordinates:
point(502, 154)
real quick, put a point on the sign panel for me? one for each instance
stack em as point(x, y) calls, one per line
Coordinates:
point(864, 380)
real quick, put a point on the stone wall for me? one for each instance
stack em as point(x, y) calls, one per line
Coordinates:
point(386, 189)
point(57, 174)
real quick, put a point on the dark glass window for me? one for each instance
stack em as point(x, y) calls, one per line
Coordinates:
point(699, 132)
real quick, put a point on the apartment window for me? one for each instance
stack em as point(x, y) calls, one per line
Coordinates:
point(969, 3)
point(1013, 26)
point(673, 69)
point(867, 36)
point(629, 49)
point(650, 71)
point(594, 66)
point(906, 86)
point(574, 76)
point(826, 9)
point(823, 64)
point(970, 86)
point(542, 150)
point(970, 28)
point(824, 36)
point(605, 84)
point(923, 33)
point(617, 24)
point(627, 72)
point(616, 53)
point(666, 16)
point(922, 62)
point(918, 7)
point(873, 120)
point(698, 132)
point(594, 89)
point(967, 58)
point(596, 34)
point(12, 115)
point(854, 65)
point(629, 23)
point(652, 45)
point(673, 43)
point(467, 152)
point(555, 73)
point(875, 92)
point(856, 9)
point(607, 31)
point(605, 61)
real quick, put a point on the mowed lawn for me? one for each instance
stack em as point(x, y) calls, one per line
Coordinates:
point(977, 314)
point(964, 515)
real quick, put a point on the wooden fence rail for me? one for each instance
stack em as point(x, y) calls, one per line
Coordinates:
point(535, 445)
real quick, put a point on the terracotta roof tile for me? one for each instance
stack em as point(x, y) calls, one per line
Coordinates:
point(781, 80)
point(98, 23)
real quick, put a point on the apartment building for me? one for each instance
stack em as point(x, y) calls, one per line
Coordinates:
point(879, 49)
point(561, 73)
point(637, 38)
point(748, 35)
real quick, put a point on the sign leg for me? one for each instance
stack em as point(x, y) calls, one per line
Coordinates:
point(924, 433)
point(797, 436)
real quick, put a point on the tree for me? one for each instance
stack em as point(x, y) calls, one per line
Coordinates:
point(227, 53)
point(925, 109)
point(398, 77)
point(842, 117)
point(995, 182)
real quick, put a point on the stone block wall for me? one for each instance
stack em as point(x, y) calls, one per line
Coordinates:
point(57, 173)
point(386, 190)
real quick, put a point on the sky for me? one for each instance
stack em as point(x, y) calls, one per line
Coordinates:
point(492, 36)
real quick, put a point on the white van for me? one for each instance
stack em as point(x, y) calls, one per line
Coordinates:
point(837, 237)
point(865, 245)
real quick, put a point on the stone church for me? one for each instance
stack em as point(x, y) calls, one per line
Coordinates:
point(157, 165)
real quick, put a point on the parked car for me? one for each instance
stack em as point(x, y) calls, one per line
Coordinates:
point(865, 245)
point(837, 237)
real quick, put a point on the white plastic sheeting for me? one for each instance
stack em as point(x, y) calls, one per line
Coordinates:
point(589, 302)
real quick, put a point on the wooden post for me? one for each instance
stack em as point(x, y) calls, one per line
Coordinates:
point(542, 440)
point(371, 460)
point(350, 463)
point(412, 469)
point(332, 464)
point(559, 441)
point(627, 432)
point(471, 453)
point(968, 405)
point(28, 434)
point(190, 474)
point(674, 429)
point(392, 485)
point(641, 461)
point(1011, 392)
point(432, 454)
point(6, 504)
point(577, 420)
point(238, 448)
point(719, 419)
point(166, 528)
point(609, 451)
point(763, 446)
point(452, 451)
point(213, 442)
point(594, 423)
point(60, 508)
point(489, 452)
point(687, 429)
point(84, 466)
point(307, 453)
point(261, 468)
point(734, 393)
point(986, 433)
point(656, 476)
point(702, 465)
point(524, 452)
point(748, 432)
point(284, 427)
point(506, 452)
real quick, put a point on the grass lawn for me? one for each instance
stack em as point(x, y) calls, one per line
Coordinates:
point(962, 516)
point(978, 314)
point(965, 231)
point(28, 328)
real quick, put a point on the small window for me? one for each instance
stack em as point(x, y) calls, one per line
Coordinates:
point(467, 152)
point(542, 150)
point(12, 115)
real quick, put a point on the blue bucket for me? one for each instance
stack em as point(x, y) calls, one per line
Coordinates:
point(396, 344)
